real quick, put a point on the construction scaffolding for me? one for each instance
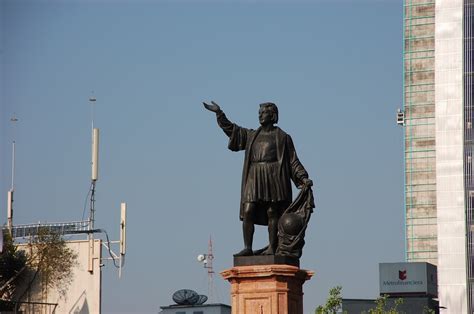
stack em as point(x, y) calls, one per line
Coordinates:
point(419, 127)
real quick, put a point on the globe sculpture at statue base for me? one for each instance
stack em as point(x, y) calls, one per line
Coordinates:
point(276, 288)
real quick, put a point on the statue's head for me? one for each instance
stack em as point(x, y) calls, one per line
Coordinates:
point(268, 110)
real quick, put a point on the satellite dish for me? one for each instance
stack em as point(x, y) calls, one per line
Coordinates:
point(186, 297)
point(201, 257)
point(202, 299)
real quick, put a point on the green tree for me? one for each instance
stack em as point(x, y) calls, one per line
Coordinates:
point(333, 303)
point(12, 267)
point(51, 262)
point(381, 306)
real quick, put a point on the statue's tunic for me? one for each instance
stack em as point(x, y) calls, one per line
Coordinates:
point(262, 184)
point(270, 164)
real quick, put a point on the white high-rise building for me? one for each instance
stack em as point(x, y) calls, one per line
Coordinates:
point(439, 144)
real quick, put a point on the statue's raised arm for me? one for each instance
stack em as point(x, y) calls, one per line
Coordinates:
point(224, 123)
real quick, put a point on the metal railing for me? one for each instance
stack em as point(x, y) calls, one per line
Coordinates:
point(31, 230)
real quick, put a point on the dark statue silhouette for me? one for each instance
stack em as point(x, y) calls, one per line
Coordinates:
point(270, 165)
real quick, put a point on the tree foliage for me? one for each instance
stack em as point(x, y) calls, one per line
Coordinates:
point(12, 265)
point(52, 261)
point(46, 262)
point(381, 306)
point(333, 303)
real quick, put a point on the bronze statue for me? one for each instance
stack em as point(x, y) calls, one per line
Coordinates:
point(266, 193)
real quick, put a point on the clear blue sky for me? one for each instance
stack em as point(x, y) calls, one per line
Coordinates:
point(334, 68)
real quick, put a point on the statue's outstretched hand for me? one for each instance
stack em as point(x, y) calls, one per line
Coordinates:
point(214, 107)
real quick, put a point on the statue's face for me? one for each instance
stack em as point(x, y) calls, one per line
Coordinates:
point(265, 115)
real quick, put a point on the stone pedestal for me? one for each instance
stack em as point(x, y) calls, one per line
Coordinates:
point(267, 289)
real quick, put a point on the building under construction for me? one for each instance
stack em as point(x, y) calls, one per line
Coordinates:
point(437, 119)
point(419, 119)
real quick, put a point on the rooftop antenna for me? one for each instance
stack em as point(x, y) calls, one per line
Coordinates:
point(92, 100)
point(123, 234)
point(207, 259)
point(94, 163)
point(13, 119)
point(121, 243)
point(94, 178)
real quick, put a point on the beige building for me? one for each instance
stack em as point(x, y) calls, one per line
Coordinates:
point(83, 294)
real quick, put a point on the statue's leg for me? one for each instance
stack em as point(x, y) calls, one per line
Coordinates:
point(273, 212)
point(248, 228)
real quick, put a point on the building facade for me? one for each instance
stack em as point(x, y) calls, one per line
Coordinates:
point(438, 113)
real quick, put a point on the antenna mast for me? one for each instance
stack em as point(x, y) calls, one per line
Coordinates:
point(94, 177)
point(94, 164)
point(13, 119)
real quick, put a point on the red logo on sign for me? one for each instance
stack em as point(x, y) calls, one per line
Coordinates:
point(402, 274)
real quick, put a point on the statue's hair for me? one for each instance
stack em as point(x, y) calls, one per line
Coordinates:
point(273, 108)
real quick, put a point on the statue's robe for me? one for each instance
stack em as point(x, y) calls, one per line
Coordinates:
point(289, 166)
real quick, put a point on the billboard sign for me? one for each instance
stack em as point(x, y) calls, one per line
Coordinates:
point(418, 278)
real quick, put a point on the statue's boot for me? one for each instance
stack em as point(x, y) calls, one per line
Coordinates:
point(268, 251)
point(260, 251)
point(244, 252)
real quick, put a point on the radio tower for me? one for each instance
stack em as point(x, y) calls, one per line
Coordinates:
point(210, 270)
point(207, 259)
